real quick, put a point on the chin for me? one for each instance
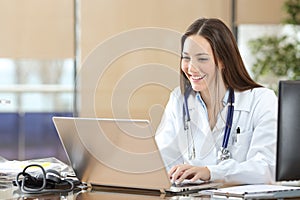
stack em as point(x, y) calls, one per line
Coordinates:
point(198, 88)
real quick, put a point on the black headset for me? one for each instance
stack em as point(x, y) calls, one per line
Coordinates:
point(45, 182)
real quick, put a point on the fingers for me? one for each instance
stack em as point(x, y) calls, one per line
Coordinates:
point(177, 171)
point(172, 170)
point(188, 172)
point(180, 172)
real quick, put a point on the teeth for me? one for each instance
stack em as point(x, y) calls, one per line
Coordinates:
point(198, 77)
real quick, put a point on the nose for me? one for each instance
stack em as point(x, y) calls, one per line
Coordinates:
point(192, 67)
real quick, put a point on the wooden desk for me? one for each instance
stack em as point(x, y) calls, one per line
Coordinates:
point(8, 191)
point(12, 192)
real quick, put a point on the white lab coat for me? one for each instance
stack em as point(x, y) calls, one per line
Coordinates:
point(253, 150)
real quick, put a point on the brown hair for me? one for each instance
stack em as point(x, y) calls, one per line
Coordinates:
point(224, 49)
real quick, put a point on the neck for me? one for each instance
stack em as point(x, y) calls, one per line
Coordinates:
point(213, 100)
point(213, 97)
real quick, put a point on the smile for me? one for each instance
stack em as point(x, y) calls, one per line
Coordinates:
point(196, 78)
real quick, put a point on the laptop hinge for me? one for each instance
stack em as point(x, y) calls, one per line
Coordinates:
point(162, 191)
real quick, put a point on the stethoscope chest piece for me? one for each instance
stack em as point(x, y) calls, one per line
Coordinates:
point(223, 154)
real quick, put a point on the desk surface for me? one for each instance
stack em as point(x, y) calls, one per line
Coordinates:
point(11, 192)
point(8, 191)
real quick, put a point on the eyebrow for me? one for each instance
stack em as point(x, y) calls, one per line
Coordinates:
point(197, 54)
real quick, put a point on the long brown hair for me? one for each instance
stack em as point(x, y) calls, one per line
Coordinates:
point(224, 49)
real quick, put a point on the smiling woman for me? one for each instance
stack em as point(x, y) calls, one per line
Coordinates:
point(218, 123)
point(198, 63)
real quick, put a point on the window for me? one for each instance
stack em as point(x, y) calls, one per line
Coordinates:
point(37, 90)
point(253, 31)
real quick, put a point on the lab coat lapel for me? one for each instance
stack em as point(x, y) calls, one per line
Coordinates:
point(218, 131)
point(202, 129)
point(240, 104)
point(208, 145)
point(213, 139)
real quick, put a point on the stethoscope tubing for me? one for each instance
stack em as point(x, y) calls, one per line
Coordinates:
point(229, 119)
point(186, 107)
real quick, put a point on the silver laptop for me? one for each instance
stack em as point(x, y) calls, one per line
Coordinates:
point(117, 153)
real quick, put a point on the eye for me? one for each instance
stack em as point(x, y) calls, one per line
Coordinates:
point(185, 58)
point(202, 59)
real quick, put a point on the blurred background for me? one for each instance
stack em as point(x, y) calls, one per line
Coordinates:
point(45, 64)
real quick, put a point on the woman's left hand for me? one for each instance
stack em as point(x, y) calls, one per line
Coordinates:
point(184, 171)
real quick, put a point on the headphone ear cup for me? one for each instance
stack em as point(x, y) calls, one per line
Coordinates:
point(53, 176)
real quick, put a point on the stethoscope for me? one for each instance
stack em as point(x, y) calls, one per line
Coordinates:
point(223, 153)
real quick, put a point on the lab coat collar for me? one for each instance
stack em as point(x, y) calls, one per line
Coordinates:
point(242, 101)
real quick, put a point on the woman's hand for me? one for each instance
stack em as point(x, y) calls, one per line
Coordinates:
point(180, 172)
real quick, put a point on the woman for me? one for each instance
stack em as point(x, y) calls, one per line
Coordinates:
point(219, 125)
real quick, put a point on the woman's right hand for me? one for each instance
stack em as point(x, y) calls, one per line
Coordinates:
point(185, 171)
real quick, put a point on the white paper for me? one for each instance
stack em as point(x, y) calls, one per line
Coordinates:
point(252, 189)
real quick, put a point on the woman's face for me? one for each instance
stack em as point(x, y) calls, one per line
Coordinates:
point(198, 63)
